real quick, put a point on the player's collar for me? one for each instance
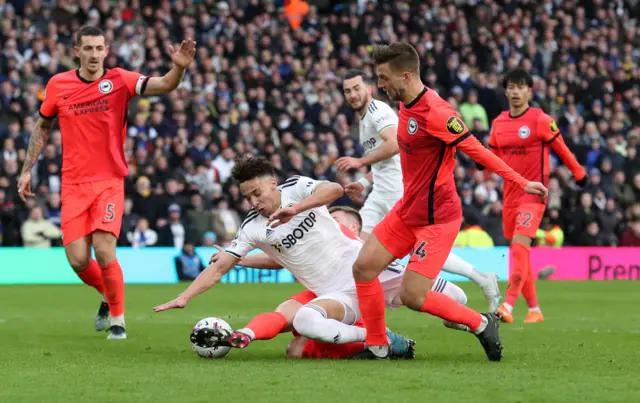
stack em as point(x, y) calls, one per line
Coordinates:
point(415, 101)
point(522, 114)
point(87, 81)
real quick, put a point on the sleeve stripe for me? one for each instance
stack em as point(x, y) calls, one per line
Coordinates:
point(249, 218)
point(292, 179)
point(141, 85)
point(552, 139)
point(288, 185)
point(43, 116)
point(391, 125)
point(460, 139)
point(233, 254)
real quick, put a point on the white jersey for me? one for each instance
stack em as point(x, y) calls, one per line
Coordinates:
point(387, 174)
point(312, 245)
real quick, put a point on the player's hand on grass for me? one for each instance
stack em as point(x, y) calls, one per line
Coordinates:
point(178, 303)
point(346, 163)
point(216, 256)
point(282, 216)
point(185, 53)
point(24, 186)
point(536, 188)
point(354, 190)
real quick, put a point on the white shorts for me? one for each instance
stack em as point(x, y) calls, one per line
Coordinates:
point(374, 210)
point(391, 281)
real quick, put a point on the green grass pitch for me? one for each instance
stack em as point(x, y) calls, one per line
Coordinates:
point(587, 350)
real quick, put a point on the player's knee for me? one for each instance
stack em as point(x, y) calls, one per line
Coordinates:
point(362, 270)
point(79, 262)
point(412, 298)
point(309, 323)
point(105, 254)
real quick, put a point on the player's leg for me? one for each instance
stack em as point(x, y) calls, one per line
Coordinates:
point(390, 239)
point(525, 222)
point(329, 319)
point(371, 213)
point(106, 215)
point(433, 245)
point(509, 215)
point(268, 325)
point(488, 282)
point(75, 225)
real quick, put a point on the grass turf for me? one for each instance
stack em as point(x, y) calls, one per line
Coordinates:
point(586, 350)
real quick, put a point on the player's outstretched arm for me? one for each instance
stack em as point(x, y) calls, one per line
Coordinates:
point(181, 58)
point(205, 280)
point(474, 149)
point(354, 190)
point(387, 150)
point(259, 260)
point(37, 143)
point(323, 195)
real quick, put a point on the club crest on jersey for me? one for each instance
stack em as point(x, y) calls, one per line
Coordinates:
point(455, 125)
point(412, 126)
point(524, 132)
point(105, 86)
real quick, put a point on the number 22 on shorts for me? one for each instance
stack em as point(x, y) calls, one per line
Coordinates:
point(523, 219)
point(109, 214)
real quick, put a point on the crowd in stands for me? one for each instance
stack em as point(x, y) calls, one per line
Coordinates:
point(259, 86)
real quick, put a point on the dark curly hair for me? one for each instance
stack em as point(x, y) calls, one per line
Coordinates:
point(249, 168)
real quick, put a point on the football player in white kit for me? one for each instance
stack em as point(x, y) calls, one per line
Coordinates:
point(292, 225)
point(378, 137)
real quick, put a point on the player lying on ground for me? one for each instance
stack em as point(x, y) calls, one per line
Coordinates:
point(301, 347)
point(523, 137)
point(91, 106)
point(292, 225)
point(427, 220)
point(378, 137)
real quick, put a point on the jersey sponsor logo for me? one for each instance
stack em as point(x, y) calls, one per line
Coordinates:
point(455, 125)
point(299, 231)
point(513, 150)
point(100, 105)
point(412, 126)
point(553, 126)
point(524, 132)
point(382, 119)
point(105, 86)
point(369, 144)
point(404, 145)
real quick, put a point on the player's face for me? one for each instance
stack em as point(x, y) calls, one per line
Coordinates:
point(347, 220)
point(356, 92)
point(393, 83)
point(518, 94)
point(262, 194)
point(92, 50)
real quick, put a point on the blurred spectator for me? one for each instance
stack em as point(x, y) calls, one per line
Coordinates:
point(188, 263)
point(226, 222)
point(198, 221)
point(173, 233)
point(550, 233)
point(142, 235)
point(38, 232)
point(473, 235)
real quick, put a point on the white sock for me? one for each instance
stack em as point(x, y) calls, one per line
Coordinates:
point(104, 298)
point(248, 332)
point(450, 290)
point(311, 322)
point(116, 321)
point(457, 265)
point(508, 307)
point(534, 309)
point(482, 326)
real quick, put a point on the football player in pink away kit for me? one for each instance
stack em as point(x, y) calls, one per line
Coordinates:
point(426, 221)
point(91, 105)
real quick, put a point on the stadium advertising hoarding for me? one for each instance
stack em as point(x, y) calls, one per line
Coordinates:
point(588, 263)
point(156, 266)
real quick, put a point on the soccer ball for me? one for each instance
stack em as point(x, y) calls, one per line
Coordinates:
point(210, 351)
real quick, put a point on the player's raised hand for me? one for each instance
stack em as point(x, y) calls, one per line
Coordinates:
point(281, 216)
point(354, 190)
point(216, 256)
point(185, 53)
point(346, 163)
point(179, 303)
point(24, 186)
point(536, 188)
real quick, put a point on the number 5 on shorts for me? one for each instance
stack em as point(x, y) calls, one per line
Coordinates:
point(420, 251)
point(109, 214)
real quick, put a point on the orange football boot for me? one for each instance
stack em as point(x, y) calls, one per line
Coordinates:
point(504, 314)
point(534, 317)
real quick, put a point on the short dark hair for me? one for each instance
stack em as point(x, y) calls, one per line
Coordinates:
point(517, 76)
point(88, 30)
point(401, 56)
point(246, 169)
point(353, 73)
point(348, 210)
